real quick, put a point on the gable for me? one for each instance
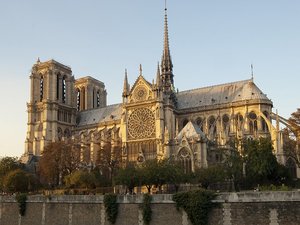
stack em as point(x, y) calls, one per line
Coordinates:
point(141, 90)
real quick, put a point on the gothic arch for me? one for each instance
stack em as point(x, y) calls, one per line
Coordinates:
point(201, 123)
point(252, 116)
point(186, 159)
point(212, 127)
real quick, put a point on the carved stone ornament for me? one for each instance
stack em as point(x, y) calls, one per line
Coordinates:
point(140, 93)
point(141, 123)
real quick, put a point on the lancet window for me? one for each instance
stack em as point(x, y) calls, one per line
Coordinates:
point(41, 88)
point(200, 123)
point(212, 128)
point(252, 123)
point(185, 160)
point(78, 100)
point(226, 124)
point(63, 84)
point(264, 124)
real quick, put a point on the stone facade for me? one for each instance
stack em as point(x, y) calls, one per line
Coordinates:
point(154, 121)
point(245, 208)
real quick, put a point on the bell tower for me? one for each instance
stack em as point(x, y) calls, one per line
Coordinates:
point(52, 106)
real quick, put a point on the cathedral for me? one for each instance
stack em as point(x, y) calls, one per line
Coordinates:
point(153, 120)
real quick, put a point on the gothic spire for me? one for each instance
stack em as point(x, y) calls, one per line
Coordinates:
point(126, 85)
point(166, 61)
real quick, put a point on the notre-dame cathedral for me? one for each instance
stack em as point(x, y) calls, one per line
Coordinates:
point(152, 121)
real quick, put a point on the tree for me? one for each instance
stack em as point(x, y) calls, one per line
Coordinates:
point(16, 181)
point(210, 175)
point(175, 174)
point(261, 164)
point(161, 172)
point(291, 137)
point(81, 179)
point(128, 176)
point(109, 160)
point(234, 165)
point(8, 164)
point(58, 160)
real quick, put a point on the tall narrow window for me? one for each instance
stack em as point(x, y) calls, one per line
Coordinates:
point(78, 100)
point(212, 128)
point(264, 124)
point(64, 90)
point(185, 160)
point(226, 124)
point(57, 86)
point(41, 88)
point(252, 123)
point(94, 104)
point(98, 98)
point(200, 123)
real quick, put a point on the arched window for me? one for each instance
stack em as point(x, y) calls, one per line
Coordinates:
point(78, 100)
point(200, 123)
point(212, 128)
point(57, 86)
point(226, 124)
point(63, 85)
point(264, 124)
point(98, 98)
point(59, 133)
point(82, 98)
point(239, 120)
point(185, 160)
point(252, 123)
point(41, 88)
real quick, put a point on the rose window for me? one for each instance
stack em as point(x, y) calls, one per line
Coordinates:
point(141, 123)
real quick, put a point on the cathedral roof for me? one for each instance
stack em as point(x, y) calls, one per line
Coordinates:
point(220, 94)
point(94, 116)
point(191, 130)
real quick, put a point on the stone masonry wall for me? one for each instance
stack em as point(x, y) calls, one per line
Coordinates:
point(245, 208)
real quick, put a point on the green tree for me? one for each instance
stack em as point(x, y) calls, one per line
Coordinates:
point(8, 164)
point(175, 174)
point(261, 164)
point(81, 179)
point(128, 176)
point(234, 167)
point(16, 181)
point(210, 175)
point(291, 137)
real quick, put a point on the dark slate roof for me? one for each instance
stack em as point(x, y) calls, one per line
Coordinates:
point(94, 116)
point(220, 94)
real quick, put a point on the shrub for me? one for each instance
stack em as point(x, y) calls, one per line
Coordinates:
point(111, 207)
point(21, 199)
point(16, 181)
point(147, 212)
point(197, 205)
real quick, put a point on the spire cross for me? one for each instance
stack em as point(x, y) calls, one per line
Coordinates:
point(141, 70)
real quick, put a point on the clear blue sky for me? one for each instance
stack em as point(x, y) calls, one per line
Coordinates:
point(212, 42)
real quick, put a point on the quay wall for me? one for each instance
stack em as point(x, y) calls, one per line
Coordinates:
point(242, 208)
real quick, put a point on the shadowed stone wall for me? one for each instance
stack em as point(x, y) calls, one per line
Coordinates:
point(245, 208)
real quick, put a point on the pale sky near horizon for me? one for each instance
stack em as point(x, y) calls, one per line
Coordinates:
point(212, 42)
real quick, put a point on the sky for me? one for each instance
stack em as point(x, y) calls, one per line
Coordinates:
point(211, 41)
